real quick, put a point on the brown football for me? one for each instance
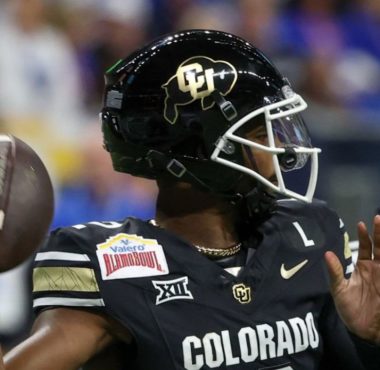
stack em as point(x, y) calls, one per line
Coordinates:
point(26, 201)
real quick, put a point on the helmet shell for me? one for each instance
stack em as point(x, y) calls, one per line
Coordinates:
point(174, 98)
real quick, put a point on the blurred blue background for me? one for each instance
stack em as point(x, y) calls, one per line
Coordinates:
point(53, 55)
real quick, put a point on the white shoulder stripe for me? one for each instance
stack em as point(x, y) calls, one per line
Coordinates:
point(72, 302)
point(62, 256)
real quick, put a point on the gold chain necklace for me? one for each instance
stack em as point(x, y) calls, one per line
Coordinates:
point(212, 252)
point(219, 252)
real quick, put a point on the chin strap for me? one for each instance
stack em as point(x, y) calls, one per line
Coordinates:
point(159, 162)
point(255, 208)
point(225, 106)
point(259, 202)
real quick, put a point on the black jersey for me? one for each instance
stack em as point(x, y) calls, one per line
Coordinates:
point(185, 311)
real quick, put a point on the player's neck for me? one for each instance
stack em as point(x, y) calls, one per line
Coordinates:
point(197, 217)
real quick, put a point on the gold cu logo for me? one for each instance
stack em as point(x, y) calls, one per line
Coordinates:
point(242, 293)
point(194, 79)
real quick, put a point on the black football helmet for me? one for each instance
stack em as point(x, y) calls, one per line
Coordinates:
point(182, 104)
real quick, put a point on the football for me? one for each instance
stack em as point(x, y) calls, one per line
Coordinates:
point(26, 201)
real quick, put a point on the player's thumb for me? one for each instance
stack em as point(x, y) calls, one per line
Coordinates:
point(335, 270)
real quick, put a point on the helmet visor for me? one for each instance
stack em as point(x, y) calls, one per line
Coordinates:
point(290, 132)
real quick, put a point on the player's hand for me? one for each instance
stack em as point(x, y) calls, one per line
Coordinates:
point(358, 299)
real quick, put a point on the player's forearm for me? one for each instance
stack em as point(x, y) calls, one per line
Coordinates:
point(35, 354)
point(61, 339)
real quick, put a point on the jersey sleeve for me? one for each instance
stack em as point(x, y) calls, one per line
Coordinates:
point(64, 275)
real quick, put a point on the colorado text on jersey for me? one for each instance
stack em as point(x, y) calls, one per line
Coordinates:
point(260, 342)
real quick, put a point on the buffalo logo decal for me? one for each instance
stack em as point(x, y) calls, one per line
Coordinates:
point(196, 78)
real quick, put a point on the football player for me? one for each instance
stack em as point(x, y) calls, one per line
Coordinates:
point(232, 272)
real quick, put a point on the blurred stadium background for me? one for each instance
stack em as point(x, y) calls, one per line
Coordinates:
point(53, 55)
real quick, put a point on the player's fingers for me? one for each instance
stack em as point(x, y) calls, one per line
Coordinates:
point(365, 243)
point(376, 238)
point(335, 270)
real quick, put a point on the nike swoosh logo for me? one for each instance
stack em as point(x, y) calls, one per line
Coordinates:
point(287, 274)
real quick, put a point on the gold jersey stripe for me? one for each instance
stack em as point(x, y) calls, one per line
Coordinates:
point(76, 279)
